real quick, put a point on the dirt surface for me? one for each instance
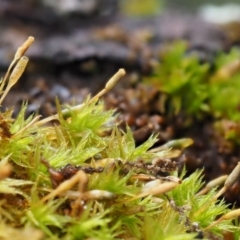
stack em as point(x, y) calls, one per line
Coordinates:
point(77, 50)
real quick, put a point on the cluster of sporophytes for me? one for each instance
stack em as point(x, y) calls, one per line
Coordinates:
point(81, 177)
point(200, 89)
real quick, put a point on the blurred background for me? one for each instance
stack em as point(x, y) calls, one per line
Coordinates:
point(81, 43)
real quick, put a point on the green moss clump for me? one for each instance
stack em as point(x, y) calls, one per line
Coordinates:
point(194, 87)
point(197, 89)
point(84, 178)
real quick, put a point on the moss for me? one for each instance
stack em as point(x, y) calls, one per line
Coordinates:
point(199, 90)
point(83, 178)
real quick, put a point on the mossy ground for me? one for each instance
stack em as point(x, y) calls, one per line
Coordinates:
point(82, 177)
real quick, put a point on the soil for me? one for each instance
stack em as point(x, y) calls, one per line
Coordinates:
point(75, 52)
